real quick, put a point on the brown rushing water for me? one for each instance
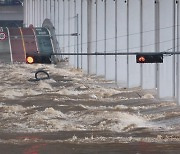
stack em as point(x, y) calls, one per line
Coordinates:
point(75, 113)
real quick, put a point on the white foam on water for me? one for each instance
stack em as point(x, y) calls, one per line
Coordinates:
point(1, 104)
point(54, 113)
point(116, 107)
point(120, 107)
point(33, 92)
point(13, 93)
point(16, 93)
point(1, 88)
point(38, 121)
point(102, 92)
point(148, 96)
point(53, 120)
point(114, 121)
point(14, 84)
point(16, 108)
point(13, 111)
point(102, 139)
point(45, 86)
point(69, 92)
point(63, 72)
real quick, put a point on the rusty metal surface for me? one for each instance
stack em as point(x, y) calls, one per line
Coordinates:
point(29, 41)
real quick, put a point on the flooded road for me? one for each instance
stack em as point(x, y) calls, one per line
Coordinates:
point(75, 113)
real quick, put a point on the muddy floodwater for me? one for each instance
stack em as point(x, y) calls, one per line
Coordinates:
point(74, 113)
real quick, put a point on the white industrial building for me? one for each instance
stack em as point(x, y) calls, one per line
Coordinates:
point(114, 26)
point(11, 13)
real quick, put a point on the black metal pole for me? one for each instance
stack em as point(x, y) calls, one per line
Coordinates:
point(119, 53)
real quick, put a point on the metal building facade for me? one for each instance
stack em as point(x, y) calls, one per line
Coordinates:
point(117, 26)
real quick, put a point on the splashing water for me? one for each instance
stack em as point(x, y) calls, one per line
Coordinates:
point(73, 102)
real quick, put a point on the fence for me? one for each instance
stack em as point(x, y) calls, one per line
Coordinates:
point(115, 26)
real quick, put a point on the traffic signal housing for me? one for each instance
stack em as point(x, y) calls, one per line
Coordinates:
point(38, 58)
point(149, 58)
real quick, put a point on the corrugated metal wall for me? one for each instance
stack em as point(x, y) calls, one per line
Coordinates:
point(117, 26)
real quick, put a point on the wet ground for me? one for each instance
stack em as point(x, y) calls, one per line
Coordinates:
point(72, 113)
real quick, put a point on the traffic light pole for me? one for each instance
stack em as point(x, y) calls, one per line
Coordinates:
point(120, 53)
point(148, 57)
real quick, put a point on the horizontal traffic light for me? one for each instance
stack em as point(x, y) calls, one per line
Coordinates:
point(149, 58)
point(38, 58)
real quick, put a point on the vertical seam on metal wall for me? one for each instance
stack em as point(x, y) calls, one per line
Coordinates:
point(58, 21)
point(127, 43)
point(10, 47)
point(96, 37)
point(174, 44)
point(34, 18)
point(69, 28)
point(43, 16)
point(105, 11)
point(32, 11)
point(178, 57)
point(88, 34)
point(116, 41)
point(81, 32)
point(77, 39)
point(37, 13)
point(51, 11)
point(27, 11)
point(46, 9)
point(74, 29)
point(141, 40)
point(63, 25)
point(55, 14)
point(157, 33)
point(40, 10)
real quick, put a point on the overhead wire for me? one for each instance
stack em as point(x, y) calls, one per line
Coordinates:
point(127, 35)
point(138, 47)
